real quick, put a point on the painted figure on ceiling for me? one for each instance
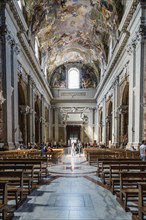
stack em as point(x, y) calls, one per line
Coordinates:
point(59, 78)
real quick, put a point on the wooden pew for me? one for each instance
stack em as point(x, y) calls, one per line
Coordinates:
point(15, 184)
point(93, 156)
point(52, 157)
point(114, 178)
point(28, 176)
point(141, 201)
point(105, 166)
point(129, 187)
point(100, 162)
point(40, 165)
point(3, 199)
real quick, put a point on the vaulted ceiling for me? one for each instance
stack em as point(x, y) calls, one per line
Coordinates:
point(74, 31)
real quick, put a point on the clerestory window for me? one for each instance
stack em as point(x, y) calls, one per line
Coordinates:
point(20, 4)
point(73, 78)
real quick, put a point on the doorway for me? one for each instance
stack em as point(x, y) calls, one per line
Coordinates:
point(73, 133)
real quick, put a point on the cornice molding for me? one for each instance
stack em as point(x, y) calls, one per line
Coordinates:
point(128, 14)
point(11, 41)
point(139, 37)
point(19, 19)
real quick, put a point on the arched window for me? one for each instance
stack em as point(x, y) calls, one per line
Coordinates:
point(36, 47)
point(20, 4)
point(73, 78)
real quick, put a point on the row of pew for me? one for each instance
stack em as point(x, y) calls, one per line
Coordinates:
point(20, 174)
point(125, 177)
point(92, 154)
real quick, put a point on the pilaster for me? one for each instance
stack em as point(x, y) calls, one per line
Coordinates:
point(42, 120)
point(3, 105)
point(131, 69)
point(98, 124)
point(50, 123)
point(30, 104)
point(56, 124)
point(104, 121)
point(115, 115)
point(90, 124)
point(9, 88)
point(15, 96)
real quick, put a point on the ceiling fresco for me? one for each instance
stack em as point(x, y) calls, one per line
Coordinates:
point(74, 31)
point(88, 78)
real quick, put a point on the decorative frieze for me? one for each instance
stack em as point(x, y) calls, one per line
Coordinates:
point(139, 36)
point(11, 41)
point(72, 94)
point(142, 32)
point(19, 19)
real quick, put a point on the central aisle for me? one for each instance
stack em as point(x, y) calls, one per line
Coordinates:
point(72, 191)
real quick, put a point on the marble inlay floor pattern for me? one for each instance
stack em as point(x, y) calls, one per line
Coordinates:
point(72, 191)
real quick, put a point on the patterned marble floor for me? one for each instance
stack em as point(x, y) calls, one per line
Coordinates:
point(71, 192)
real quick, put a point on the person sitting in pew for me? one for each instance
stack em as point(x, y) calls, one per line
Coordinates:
point(43, 150)
point(143, 151)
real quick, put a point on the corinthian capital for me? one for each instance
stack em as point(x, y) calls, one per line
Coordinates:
point(142, 31)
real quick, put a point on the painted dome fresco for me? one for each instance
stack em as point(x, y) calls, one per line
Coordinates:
point(74, 31)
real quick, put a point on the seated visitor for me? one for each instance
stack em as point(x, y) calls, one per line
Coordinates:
point(143, 151)
point(43, 150)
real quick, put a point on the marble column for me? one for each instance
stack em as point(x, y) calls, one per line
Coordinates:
point(56, 125)
point(100, 122)
point(136, 51)
point(113, 117)
point(33, 111)
point(9, 90)
point(30, 104)
point(97, 124)
point(15, 98)
point(104, 121)
point(90, 124)
point(65, 135)
point(116, 98)
point(142, 36)
point(131, 83)
point(3, 103)
point(46, 123)
point(82, 134)
point(42, 121)
point(50, 123)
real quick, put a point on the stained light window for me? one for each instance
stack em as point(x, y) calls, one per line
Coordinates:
point(73, 78)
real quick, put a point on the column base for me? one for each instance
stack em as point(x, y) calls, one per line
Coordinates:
point(115, 145)
point(9, 146)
